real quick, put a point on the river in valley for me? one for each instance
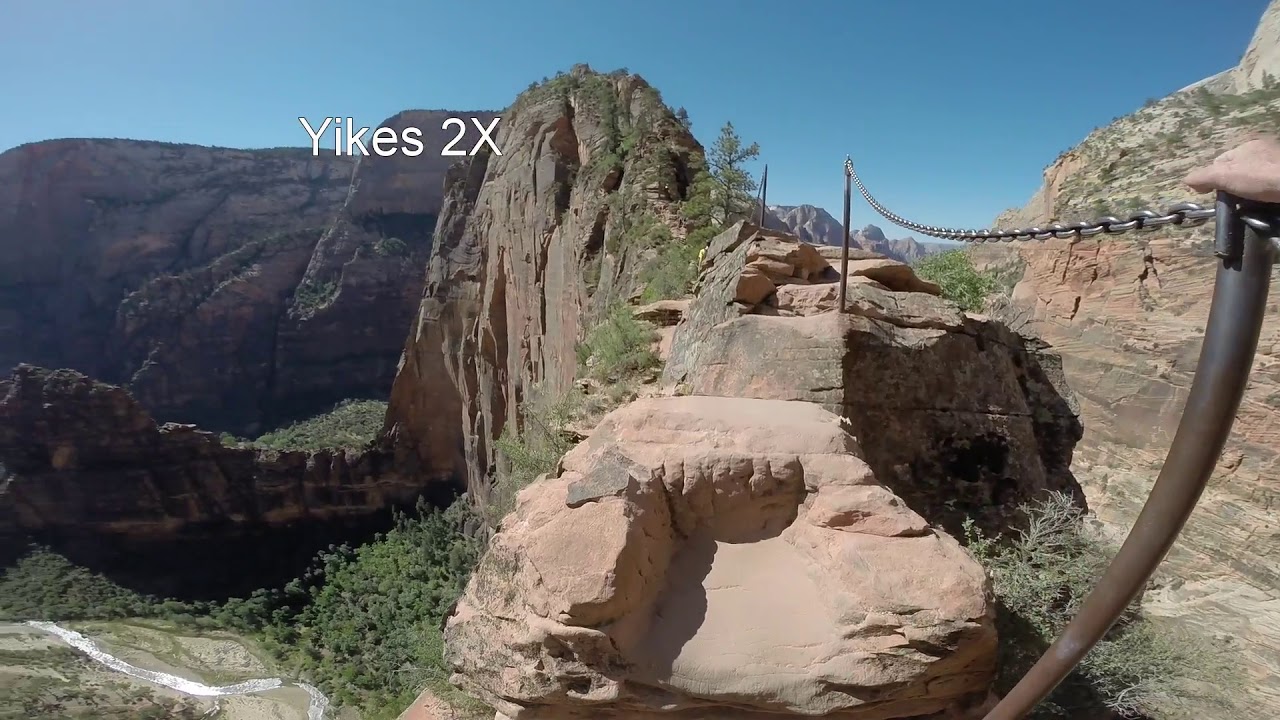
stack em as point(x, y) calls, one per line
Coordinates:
point(316, 708)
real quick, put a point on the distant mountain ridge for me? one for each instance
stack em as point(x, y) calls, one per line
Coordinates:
point(816, 226)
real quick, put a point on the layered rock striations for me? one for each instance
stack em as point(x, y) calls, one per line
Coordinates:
point(530, 247)
point(1127, 314)
point(235, 289)
point(166, 507)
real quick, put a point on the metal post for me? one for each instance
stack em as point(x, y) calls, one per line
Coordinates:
point(764, 188)
point(844, 259)
point(1230, 341)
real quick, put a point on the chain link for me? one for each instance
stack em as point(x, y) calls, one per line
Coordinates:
point(1185, 214)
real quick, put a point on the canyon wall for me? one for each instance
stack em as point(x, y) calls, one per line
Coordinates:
point(1127, 313)
point(235, 289)
point(168, 508)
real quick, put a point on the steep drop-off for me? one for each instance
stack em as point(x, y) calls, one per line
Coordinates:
point(167, 508)
point(531, 246)
point(1127, 314)
point(236, 289)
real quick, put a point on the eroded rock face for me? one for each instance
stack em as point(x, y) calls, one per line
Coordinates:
point(954, 412)
point(722, 558)
point(167, 507)
point(1127, 313)
point(1129, 322)
point(235, 289)
point(531, 245)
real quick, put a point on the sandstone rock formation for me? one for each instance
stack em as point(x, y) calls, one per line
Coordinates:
point(816, 226)
point(1260, 63)
point(530, 247)
point(168, 508)
point(236, 289)
point(722, 558)
point(954, 412)
point(1128, 314)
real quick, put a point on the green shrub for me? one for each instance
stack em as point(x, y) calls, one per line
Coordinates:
point(311, 296)
point(351, 424)
point(961, 282)
point(618, 348)
point(1040, 576)
point(671, 273)
point(391, 247)
point(530, 450)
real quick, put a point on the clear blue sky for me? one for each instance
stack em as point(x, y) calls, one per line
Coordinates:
point(950, 109)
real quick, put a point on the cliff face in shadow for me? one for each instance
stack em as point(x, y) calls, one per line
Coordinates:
point(236, 289)
point(167, 508)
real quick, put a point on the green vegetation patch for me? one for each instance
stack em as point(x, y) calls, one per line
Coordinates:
point(1041, 575)
point(351, 424)
point(619, 348)
point(46, 586)
point(961, 282)
point(310, 296)
point(365, 625)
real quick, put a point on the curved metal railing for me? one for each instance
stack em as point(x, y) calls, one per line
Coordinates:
point(1245, 246)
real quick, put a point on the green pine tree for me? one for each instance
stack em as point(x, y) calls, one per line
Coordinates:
point(735, 189)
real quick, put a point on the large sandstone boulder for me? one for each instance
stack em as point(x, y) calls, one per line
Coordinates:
point(956, 413)
point(720, 558)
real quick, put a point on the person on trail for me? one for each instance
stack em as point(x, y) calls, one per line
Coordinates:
point(1250, 171)
point(702, 255)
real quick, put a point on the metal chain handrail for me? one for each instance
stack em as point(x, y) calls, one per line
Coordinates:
point(1185, 214)
point(1247, 245)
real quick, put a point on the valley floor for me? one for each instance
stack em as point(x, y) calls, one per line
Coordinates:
point(42, 677)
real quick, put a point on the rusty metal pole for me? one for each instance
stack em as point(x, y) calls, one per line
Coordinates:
point(1230, 341)
point(764, 188)
point(844, 258)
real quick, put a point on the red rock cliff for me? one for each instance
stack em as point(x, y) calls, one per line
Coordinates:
point(235, 289)
point(531, 244)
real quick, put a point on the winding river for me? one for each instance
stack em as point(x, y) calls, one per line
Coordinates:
point(316, 707)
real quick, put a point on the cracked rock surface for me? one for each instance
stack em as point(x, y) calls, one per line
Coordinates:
point(716, 558)
point(957, 414)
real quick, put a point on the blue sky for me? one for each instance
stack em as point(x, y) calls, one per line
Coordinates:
point(950, 109)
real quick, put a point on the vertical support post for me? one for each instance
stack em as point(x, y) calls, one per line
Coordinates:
point(844, 258)
point(1226, 357)
point(764, 188)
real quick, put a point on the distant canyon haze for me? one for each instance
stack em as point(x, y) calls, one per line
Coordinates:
point(816, 226)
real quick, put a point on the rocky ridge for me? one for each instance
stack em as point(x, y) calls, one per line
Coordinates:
point(236, 289)
point(787, 439)
point(1128, 315)
point(532, 248)
point(816, 226)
